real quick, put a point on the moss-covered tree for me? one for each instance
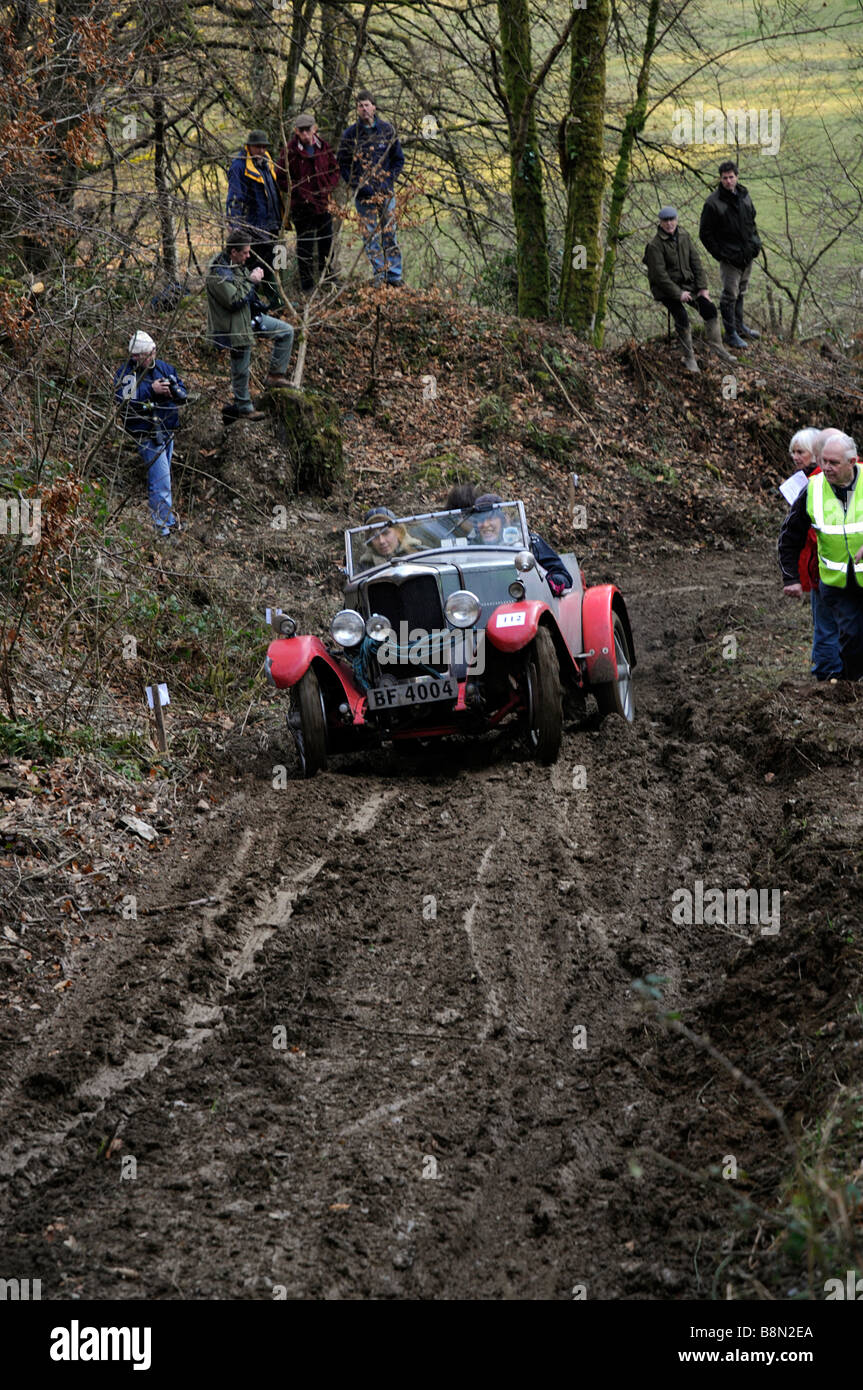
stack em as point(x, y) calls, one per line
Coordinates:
point(583, 167)
point(517, 87)
point(632, 128)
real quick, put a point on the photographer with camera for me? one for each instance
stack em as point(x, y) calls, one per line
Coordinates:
point(236, 316)
point(149, 392)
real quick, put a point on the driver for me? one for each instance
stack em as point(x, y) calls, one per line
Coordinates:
point(389, 541)
point(489, 525)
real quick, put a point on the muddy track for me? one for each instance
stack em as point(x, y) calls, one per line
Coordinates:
point(401, 1054)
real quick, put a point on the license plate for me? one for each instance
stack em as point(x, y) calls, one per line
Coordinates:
point(420, 692)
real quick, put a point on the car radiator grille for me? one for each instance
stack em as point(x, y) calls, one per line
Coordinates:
point(415, 602)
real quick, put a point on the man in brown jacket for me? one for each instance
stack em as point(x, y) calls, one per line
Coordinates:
point(678, 278)
point(307, 165)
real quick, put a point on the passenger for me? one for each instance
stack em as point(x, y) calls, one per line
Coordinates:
point(490, 530)
point(462, 495)
point(432, 531)
point(390, 541)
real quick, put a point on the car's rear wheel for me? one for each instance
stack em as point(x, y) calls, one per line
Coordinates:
point(309, 724)
point(544, 705)
point(616, 697)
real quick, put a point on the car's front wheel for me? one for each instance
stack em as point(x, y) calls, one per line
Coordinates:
point(544, 705)
point(616, 697)
point(309, 724)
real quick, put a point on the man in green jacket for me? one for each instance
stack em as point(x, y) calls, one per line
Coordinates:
point(235, 316)
point(677, 279)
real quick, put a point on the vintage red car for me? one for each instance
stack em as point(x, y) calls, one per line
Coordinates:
point(451, 628)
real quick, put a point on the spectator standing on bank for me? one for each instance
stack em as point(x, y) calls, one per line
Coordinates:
point(370, 160)
point(826, 661)
point(729, 233)
point(235, 317)
point(677, 278)
point(149, 393)
point(254, 207)
point(832, 505)
point(307, 163)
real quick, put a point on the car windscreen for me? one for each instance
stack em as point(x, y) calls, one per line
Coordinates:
point(384, 541)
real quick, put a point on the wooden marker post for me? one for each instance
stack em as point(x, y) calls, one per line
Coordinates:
point(157, 696)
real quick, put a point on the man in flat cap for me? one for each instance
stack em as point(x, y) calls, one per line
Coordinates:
point(254, 206)
point(149, 393)
point(678, 280)
point(307, 167)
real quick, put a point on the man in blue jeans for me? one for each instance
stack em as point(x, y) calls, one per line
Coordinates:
point(370, 161)
point(149, 392)
point(235, 317)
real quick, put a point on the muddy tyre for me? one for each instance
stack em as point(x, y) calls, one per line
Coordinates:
point(309, 724)
point(616, 697)
point(544, 704)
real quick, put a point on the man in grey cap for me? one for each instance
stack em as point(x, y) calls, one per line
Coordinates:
point(254, 206)
point(677, 278)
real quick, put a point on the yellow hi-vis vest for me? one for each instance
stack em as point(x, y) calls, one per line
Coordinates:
point(840, 533)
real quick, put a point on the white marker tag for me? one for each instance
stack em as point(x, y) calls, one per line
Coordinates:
point(164, 698)
point(511, 620)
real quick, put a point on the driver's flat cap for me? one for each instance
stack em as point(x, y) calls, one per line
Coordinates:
point(487, 502)
point(378, 514)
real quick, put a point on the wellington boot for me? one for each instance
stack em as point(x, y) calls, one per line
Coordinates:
point(684, 337)
point(743, 329)
point(731, 335)
point(713, 336)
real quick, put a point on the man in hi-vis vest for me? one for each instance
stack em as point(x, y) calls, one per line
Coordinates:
point(832, 504)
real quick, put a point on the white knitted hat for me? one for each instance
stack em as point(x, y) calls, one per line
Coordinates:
point(140, 342)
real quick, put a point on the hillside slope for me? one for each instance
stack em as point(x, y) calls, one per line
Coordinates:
point(453, 1038)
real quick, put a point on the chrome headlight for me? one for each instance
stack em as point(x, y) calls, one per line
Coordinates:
point(462, 608)
point(287, 627)
point(347, 628)
point(379, 628)
point(523, 561)
point(516, 590)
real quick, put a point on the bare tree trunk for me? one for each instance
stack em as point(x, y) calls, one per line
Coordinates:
point(163, 195)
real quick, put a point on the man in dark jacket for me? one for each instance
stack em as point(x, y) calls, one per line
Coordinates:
point(149, 392)
point(370, 160)
point(489, 520)
point(254, 206)
point(307, 164)
point(729, 232)
point(677, 278)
